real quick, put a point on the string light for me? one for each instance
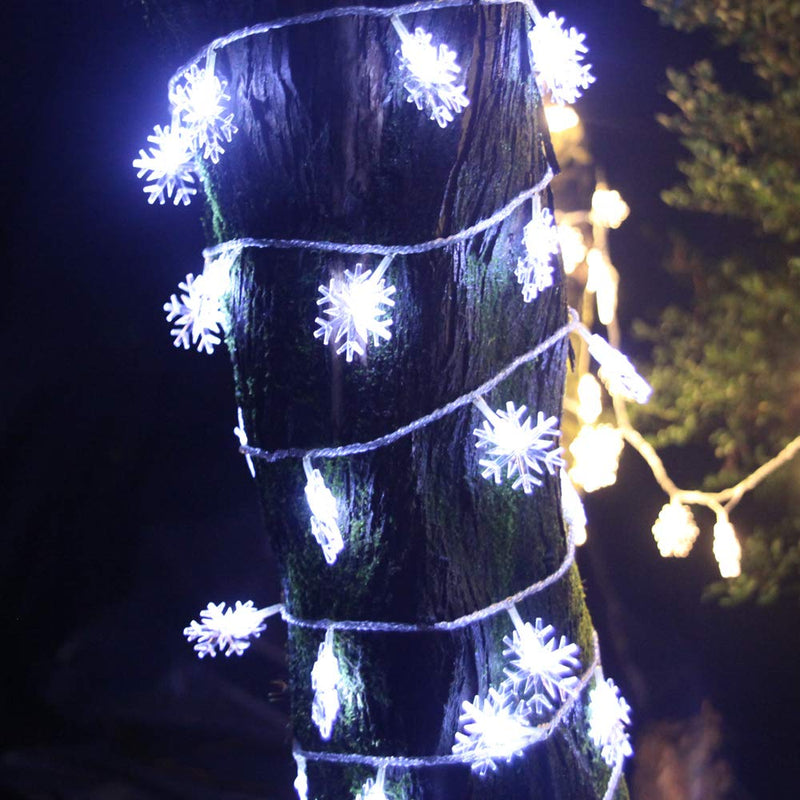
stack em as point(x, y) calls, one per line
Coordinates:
point(727, 549)
point(301, 781)
point(572, 509)
point(241, 435)
point(573, 247)
point(675, 530)
point(514, 444)
point(169, 166)
point(325, 681)
point(374, 789)
point(430, 74)
point(608, 207)
point(590, 399)
point(324, 513)
point(356, 304)
point(595, 453)
point(540, 237)
point(608, 716)
point(616, 371)
point(603, 280)
point(229, 630)
point(561, 118)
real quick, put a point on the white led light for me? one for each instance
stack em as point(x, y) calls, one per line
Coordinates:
point(324, 513)
point(169, 166)
point(572, 509)
point(325, 680)
point(675, 530)
point(727, 549)
point(608, 208)
point(608, 716)
point(595, 452)
point(535, 270)
point(617, 372)
point(241, 435)
point(301, 781)
point(226, 630)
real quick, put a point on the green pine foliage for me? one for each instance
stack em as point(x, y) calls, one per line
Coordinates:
point(727, 372)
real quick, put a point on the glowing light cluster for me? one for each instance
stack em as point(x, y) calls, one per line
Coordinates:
point(324, 514)
point(356, 305)
point(675, 530)
point(573, 247)
point(493, 728)
point(226, 630)
point(535, 270)
point(168, 168)
point(514, 444)
point(595, 453)
point(608, 208)
point(373, 789)
point(608, 716)
point(727, 549)
point(325, 680)
point(557, 55)
point(542, 667)
point(430, 74)
point(617, 372)
point(572, 509)
point(301, 780)
point(590, 399)
point(603, 281)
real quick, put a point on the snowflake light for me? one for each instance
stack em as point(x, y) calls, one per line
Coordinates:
point(356, 304)
point(200, 102)
point(534, 271)
point(675, 530)
point(542, 667)
point(557, 55)
point(430, 75)
point(603, 280)
point(561, 118)
point(608, 207)
point(590, 399)
point(301, 781)
point(374, 789)
point(494, 728)
point(324, 514)
point(241, 435)
point(572, 509)
point(226, 630)
point(595, 453)
point(608, 715)
point(325, 680)
point(169, 166)
point(197, 314)
point(727, 549)
point(617, 372)
point(514, 444)
point(573, 247)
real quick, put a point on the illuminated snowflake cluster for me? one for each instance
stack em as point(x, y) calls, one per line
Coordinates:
point(595, 452)
point(356, 305)
point(324, 514)
point(168, 168)
point(429, 75)
point(543, 667)
point(675, 530)
point(493, 728)
point(197, 315)
point(225, 630)
point(557, 55)
point(608, 717)
point(200, 103)
point(325, 680)
point(514, 444)
point(534, 271)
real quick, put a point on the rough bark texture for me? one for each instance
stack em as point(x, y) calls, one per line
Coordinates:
point(329, 149)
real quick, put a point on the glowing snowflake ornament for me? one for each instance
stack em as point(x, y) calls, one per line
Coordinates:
point(240, 433)
point(226, 630)
point(616, 371)
point(169, 166)
point(356, 305)
point(675, 530)
point(595, 452)
point(608, 715)
point(494, 728)
point(430, 75)
point(572, 509)
point(324, 513)
point(374, 789)
point(557, 55)
point(514, 444)
point(200, 102)
point(727, 549)
point(301, 781)
point(534, 271)
point(542, 667)
point(325, 680)
point(197, 314)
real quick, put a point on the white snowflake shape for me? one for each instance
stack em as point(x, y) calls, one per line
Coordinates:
point(356, 305)
point(608, 715)
point(557, 55)
point(495, 729)
point(226, 630)
point(617, 372)
point(200, 101)
point(595, 456)
point(514, 444)
point(169, 166)
point(197, 314)
point(534, 271)
point(325, 680)
point(374, 789)
point(675, 530)
point(324, 514)
point(241, 434)
point(542, 667)
point(430, 75)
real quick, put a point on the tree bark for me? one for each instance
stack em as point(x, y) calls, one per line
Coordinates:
point(329, 149)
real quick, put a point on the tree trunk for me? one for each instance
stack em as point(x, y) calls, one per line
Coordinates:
point(329, 149)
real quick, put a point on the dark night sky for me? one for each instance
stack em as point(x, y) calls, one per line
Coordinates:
point(126, 506)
